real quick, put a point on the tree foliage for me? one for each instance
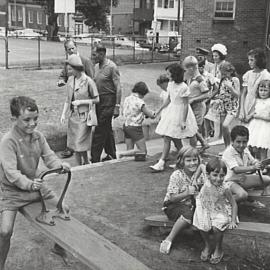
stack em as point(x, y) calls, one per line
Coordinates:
point(94, 13)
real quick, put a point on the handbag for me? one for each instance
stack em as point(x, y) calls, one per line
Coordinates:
point(92, 116)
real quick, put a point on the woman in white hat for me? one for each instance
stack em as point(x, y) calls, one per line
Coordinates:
point(219, 52)
point(81, 95)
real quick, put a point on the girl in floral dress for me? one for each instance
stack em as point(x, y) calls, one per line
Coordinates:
point(179, 201)
point(216, 210)
point(227, 98)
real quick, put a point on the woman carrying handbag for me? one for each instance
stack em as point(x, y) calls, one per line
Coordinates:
point(82, 95)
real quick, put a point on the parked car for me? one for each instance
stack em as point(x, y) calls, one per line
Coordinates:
point(150, 46)
point(87, 39)
point(3, 32)
point(27, 33)
point(123, 41)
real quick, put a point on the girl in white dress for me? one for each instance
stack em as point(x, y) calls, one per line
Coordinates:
point(179, 121)
point(259, 126)
point(251, 80)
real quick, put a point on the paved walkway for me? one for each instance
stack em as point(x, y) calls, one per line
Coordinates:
point(154, 147)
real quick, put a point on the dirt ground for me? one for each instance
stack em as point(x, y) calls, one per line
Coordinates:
point(113, 200)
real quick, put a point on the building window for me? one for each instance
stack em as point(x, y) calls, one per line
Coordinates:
point(60, 20)
point(173, 25)
point(171, 4)
point(166, 3)
point(224, 10)
point(20, 15)
point(39, 17)
point(159, 3)
point(13, 14)
point(30, 16)
point(267, 34)
point(46, 19)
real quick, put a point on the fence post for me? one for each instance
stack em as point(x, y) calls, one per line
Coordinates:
point(113, 48)
point(152, 51)
point(6, 51)
point(133, 48)
point(38, 52)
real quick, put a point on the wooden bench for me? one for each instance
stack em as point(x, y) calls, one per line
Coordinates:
point(85, 244)
point(257, 194)
point(253, 228)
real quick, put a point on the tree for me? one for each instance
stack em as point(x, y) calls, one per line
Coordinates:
point(94, 12)
point(52, 27)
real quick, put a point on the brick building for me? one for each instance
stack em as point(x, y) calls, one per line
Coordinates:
point(240, 25)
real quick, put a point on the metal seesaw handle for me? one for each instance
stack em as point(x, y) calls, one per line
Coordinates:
point(47, 216)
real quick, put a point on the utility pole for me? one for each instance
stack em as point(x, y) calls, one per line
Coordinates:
point(111, 18)
point(133, 25)
point(6, 35)
point(178, 17)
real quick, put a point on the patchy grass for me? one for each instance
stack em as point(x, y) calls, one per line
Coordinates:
point(41, 85)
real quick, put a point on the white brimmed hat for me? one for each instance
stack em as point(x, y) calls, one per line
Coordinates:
point(75, 61)
point(220, 48)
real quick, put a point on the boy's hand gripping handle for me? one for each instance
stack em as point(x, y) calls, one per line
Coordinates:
point(47, 216)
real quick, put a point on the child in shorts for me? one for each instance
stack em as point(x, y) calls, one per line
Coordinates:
point(241, 167)
point(134, 111)
point(21, 149)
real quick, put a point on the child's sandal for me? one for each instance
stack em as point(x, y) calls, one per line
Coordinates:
point(165, 247)
point(205, 256)
point(216, 260)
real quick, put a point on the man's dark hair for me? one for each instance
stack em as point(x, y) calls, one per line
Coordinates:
point(259, 56)
point(239, 131)
point(100, 48)
point(21, 103)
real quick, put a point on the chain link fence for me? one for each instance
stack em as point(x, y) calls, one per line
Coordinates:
point(36, 52)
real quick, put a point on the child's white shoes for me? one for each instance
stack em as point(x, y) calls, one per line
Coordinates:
point(159, 166)
point(165, 247)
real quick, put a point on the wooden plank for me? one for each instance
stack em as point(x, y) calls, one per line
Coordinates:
point(257, 194)
point(253, 228)
point(84, 243)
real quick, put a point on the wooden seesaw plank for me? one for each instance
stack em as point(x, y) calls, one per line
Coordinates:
point(253, 228)
point(85, 244)
point(257, 194)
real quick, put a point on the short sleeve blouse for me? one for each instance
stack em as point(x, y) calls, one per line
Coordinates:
point(179, 182)
point(132, 110)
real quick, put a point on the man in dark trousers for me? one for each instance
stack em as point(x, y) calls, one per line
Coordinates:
point(107, 78)
point(71, 48)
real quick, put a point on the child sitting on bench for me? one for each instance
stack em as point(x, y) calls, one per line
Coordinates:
point(216, 210)
point(179, 201)
point(241, 167)
point(21, 149)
